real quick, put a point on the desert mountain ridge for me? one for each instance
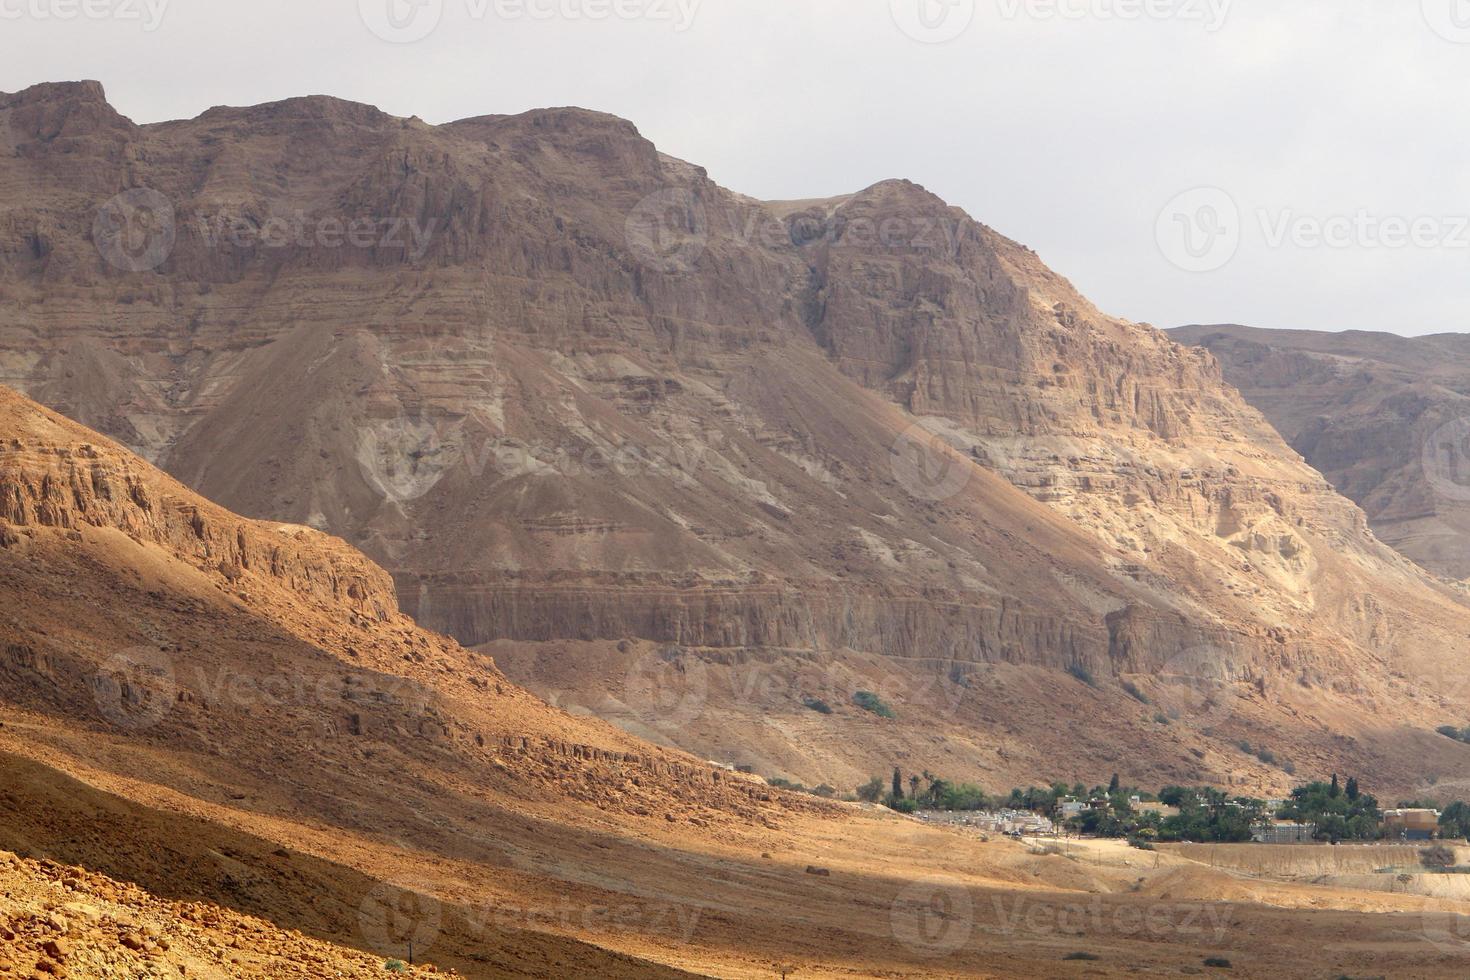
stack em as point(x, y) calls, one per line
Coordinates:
point(698, 464)
point(1382, 416)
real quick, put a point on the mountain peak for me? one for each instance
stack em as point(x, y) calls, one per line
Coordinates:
point(55, 109)
point(86, 90)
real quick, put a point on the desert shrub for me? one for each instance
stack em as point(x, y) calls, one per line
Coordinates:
point(817, 704)
point(1437, 858)
point(1082, 956)
point(1245, 747)
point(1266, 756)
point(869, 701)
point(1218, 962)
point(824, 791)
point(395, 966)
point(871, 791)
point(1160, 718)
point(781, 783)
point(1131, 689)
point(1082, 674)
point(1449, 731)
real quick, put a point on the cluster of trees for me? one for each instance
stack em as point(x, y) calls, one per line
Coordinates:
point(1338, 811)
point(1454, 822)
point(1208, 815)
point(926, 791)
point(1205, 815)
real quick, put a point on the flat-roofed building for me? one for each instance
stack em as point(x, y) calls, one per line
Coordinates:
point(1411, 824)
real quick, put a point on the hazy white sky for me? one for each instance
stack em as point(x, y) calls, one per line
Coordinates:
point(1329, 135)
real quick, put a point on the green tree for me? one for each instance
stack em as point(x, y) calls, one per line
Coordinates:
point(1336, 816)
point(897, 784)
point(1455, 821)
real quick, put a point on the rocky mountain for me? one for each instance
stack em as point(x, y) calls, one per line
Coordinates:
point(225, 753)
point(707, 466)
point(235, 717)
point(1385, 418)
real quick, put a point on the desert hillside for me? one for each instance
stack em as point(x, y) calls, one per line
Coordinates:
point(1383, 417)
point(224, 752)
point(696, 463)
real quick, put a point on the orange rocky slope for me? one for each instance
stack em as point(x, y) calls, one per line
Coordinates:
point(691, 462)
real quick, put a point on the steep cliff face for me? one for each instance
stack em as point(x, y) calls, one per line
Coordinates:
point(571, 391)
point(58, 484)
point(1383, 417)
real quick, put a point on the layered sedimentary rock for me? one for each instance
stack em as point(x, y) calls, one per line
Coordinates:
point(1383, 417)
point(570, 391)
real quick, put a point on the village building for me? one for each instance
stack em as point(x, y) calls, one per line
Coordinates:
point(1411, 824)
